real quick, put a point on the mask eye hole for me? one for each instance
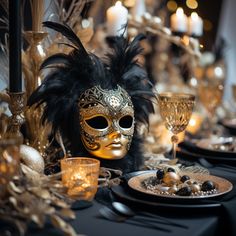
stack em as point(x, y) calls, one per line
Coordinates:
point(98, 122)
point(126, 122)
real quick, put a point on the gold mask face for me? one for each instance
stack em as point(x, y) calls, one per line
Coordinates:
point(107, 122)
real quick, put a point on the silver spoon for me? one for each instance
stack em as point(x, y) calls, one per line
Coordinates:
point(111, 215)
point(127, 211)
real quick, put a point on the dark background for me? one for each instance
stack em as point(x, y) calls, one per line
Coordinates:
point(209, 11)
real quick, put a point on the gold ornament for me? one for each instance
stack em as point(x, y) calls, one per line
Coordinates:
point(32, 158)
point(195, 188)
point(171, 178)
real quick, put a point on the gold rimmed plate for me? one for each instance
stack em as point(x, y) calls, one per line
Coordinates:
point(229, 123)
point(218, 145)
point(223, 186)
point(124, 193)
point(191, 150)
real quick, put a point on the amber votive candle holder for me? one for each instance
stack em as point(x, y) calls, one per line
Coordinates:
point(80, 176)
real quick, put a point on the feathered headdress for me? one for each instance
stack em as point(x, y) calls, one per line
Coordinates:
point(78, 71)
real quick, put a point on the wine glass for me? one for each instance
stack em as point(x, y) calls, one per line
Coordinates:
point(210, 93)
point(176, 110)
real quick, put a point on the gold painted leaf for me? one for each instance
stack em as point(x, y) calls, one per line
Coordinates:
point(60, 203)
point(40, 192)
point(62, 225)
point(16, 188)
point(66, 212)
point(38, 219)
point(13, 201)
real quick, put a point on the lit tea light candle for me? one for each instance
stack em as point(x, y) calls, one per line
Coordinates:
point(117, 18)
point(80, 176)
point(179, 21)
point(194, 123)
point(195, 25)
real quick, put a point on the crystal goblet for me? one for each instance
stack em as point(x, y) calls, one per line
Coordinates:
point(210, 93)
point(176, 110)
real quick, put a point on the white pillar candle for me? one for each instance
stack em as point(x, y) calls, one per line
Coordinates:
point(138, 9)
point(117, 17)
point(195, 25)
point(179, 21)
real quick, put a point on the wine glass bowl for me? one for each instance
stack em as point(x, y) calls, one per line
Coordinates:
point(176, 110)
point(210, 94)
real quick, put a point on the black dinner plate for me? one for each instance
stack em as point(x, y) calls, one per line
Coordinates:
point(192, 151)
point(126, 193)
point(230, 125)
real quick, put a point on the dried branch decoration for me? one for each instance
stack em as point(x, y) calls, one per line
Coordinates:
point(71, 15)
point(32, 197)
point(4, 17)
point(154, 25)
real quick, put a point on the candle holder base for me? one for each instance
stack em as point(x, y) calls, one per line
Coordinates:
point(16, 106)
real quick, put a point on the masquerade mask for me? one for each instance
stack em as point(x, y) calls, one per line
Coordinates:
point(107, 122)
point(99, 92)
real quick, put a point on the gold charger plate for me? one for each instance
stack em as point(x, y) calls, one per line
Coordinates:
point(223, 186)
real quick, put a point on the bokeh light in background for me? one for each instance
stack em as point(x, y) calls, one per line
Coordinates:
point(192, 4)
point(207, 25)
point(129, 3)
point(208, 10)
point(172, 5)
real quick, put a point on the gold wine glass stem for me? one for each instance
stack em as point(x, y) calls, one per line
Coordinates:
point(174, 140)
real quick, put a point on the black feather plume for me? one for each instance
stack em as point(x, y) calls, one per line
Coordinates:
point(78, 71)
point(67, 32)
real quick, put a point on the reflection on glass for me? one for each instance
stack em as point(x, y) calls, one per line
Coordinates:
point(210, 93)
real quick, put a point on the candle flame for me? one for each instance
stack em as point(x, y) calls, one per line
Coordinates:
point(118, 4)
point(194, 15)
point(180, 11)
point(192, 122)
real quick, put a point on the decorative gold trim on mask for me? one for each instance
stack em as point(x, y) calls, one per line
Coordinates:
point(111, 105)
point(114, 99)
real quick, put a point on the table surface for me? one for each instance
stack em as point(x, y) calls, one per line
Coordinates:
point(89, 222)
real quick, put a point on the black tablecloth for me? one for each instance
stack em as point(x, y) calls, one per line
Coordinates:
point(207, 222)
point(89, 223)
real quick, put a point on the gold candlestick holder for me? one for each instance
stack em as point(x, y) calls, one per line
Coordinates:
point(16, 106)
point(32, 60)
